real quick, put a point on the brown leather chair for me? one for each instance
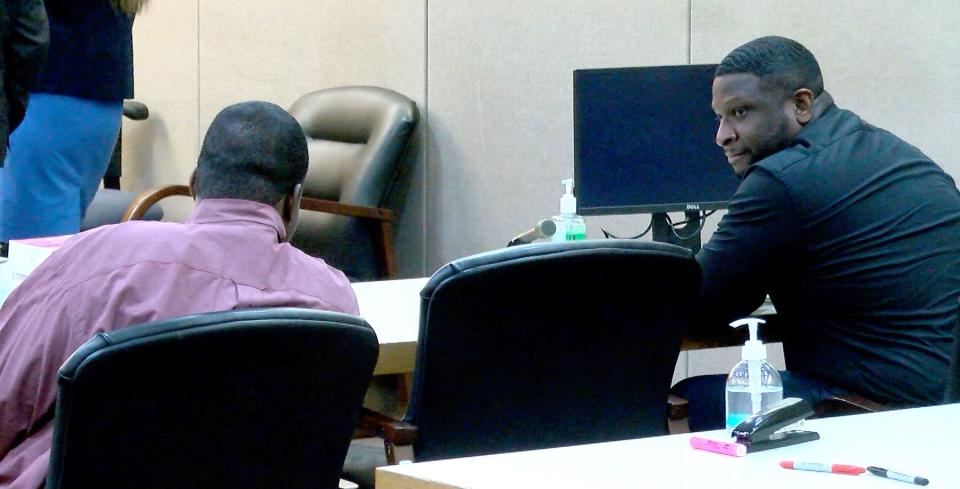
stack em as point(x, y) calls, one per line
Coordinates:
point(357, 137)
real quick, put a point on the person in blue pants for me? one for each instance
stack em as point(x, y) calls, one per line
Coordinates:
point(60, 151)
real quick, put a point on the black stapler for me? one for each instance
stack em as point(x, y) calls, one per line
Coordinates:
point(759, 432)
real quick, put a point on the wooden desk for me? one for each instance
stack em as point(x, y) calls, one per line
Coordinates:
point(916, 441)
point(392, 307)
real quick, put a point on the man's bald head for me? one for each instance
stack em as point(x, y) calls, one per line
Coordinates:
point(252, 151)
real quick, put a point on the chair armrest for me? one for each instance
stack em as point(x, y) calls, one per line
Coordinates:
point(851, 404)
point(349, 210)
point(147, 198)
point(393, 432)
point(382, 227)
point(390, 429)
point(135, 110)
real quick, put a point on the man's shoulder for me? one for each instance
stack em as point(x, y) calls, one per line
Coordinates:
point(115, 245)
point(835, 131)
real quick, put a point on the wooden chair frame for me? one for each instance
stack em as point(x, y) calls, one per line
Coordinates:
point(381, 219)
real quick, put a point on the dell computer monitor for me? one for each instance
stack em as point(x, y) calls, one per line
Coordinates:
point(644, 141)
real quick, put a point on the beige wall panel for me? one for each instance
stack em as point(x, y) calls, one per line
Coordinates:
point(895, 63)
point(280, 50)
point(162, 149)
point(500, 83)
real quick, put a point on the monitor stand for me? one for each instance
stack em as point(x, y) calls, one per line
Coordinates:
point(689, 233)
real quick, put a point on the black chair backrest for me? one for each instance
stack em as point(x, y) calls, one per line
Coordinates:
point(953, 376)
point(549, 345)
point(258, 398)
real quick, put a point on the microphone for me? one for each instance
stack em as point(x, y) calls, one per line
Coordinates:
point(544, 229)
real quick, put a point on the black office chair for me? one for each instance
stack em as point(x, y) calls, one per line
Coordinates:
point(258, 398)
point(135, 111)
point(109, 203)
point(546, 345)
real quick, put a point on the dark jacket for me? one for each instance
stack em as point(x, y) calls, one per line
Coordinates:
point(91, 51)
point(853, 233)
point(25, 35)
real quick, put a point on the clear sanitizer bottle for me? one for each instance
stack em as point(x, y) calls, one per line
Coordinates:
point(753, 384)
point(570, 226)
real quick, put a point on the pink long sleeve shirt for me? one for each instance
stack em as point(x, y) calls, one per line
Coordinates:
point(229, 255)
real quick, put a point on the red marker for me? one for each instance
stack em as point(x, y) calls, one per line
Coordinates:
point(815, 467)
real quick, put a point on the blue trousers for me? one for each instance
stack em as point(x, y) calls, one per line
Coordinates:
point(53, 168)
point(706, 396)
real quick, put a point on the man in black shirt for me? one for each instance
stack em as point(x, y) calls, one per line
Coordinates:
point(853, 233)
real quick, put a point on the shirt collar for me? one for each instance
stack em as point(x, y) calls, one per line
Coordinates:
point(213, 211)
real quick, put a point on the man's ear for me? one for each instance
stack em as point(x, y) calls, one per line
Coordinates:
point(193, 184)
point(291, 210)
point(802, 105)
point(293, 201)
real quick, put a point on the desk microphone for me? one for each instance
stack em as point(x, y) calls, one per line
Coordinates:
point(544, 229)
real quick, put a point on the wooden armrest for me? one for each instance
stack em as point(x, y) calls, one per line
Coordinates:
point(850, 404)
point(349, 210)
point(392, 430)
point(142, 202)
point(382, 228)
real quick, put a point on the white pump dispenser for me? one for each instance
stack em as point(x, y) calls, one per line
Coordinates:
point(753, 384)
point(753, 349)
point(570, 226)
point(568, 203)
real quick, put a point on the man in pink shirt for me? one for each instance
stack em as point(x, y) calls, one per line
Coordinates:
point(232, 253)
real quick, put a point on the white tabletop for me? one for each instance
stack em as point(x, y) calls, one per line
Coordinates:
point(916, 441)
point(392, 307)
point(6, 279)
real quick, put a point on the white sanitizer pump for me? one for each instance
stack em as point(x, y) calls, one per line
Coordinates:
point(570, 226)
point(753, 384)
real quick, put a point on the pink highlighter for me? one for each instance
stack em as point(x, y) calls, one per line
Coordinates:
point(717, 446)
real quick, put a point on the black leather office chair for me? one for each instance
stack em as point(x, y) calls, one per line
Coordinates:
point(259, 398)
point(110, 202)
point(135, 111)
point(357, 137)
point(546, 345)
point(110, 205)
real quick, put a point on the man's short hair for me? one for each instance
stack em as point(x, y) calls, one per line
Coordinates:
point(253, 151)
point(780, 63)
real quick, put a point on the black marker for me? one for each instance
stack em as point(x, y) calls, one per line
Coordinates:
point(897, 476)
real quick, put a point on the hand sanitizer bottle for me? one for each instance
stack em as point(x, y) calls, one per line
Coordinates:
point(570, 226)
point(753, 384)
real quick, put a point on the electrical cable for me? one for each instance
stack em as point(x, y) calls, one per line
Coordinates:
point(609, 235)
point(700, 221)
point(703, 216)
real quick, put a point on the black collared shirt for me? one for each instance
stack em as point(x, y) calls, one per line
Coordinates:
point(855, 234)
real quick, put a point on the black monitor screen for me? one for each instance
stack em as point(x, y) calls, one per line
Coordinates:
point(644, 141)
